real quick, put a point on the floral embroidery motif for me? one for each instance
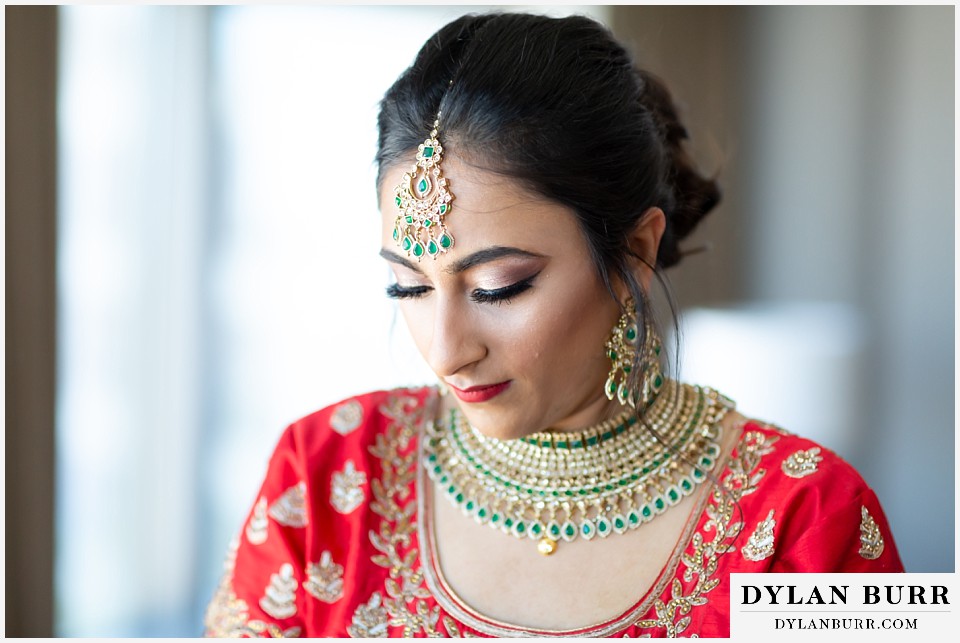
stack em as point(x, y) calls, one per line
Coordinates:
point(393, 501)
point(743, 469)
point(370, 620)
point(760, 545)
point(257, 527)
point(802, 463)
point(324, 579)
point(229, 616)
point(871, 542)
point(347, 417)
point(346, 493)
point(290, 508)
point(279, 600)
point(701, 562)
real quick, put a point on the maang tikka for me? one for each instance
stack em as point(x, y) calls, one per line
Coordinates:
point(423, 200)
point(622, 349)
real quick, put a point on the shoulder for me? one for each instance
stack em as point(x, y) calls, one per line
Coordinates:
point(790, 462)
point(356, 420)
point(344, 434)
point(824, 516)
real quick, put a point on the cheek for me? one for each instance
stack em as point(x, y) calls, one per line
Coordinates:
point(579, 336)
point(419, 322)
point(564, 337)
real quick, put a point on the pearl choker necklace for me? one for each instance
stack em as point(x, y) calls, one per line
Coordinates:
point(609, 478)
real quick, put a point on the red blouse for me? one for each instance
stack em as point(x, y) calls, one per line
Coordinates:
point(335, 544)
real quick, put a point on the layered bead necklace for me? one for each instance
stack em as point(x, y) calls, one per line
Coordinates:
point(606, 479)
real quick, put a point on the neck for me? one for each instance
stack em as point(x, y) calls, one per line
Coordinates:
point(597, 411)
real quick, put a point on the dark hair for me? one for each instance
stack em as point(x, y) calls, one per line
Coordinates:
point(557, 104)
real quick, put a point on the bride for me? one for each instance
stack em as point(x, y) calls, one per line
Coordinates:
point(557, 481)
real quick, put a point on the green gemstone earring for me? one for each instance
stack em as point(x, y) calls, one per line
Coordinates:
point(622, 351)
point(423, 200)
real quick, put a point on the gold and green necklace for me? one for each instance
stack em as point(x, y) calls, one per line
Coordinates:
point(606, 479)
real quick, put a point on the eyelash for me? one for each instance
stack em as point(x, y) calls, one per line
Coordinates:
point(498, 296)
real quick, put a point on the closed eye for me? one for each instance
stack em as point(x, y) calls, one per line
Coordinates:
point(396, 291)
point(502, 295)
point(480, 295)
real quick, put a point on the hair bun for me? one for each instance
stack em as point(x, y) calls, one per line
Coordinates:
point(692, 195)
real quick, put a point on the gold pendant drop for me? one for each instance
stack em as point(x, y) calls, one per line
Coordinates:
point(547, 546)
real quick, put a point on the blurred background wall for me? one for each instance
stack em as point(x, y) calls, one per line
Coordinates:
point(178, 289)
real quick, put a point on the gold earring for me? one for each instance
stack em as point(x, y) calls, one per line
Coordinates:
point(622, 350)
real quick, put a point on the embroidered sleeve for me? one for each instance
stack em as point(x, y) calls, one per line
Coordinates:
point(833, 524)
point(262, 591)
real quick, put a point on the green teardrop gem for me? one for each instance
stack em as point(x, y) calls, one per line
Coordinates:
point(611, 391)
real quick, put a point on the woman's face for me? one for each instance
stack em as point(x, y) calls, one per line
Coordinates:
point(514, 317)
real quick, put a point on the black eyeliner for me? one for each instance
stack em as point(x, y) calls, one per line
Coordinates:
point(504, 294)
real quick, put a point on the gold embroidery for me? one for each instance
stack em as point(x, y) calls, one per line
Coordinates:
point(226, 613)
point(802, 463)
point(346, 488)
point(871, 542)
point(290, 508)
point(324, 579)
point(760, 545)
point(391, 492)
point(370, 620)
point(701, 563)
point(257, 527)
point(229, 616)
point(753, 446)
point(279, 600)
point(454, 631)
point(257, 628)
point(347, 417)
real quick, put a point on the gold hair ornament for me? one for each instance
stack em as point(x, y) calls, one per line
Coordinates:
point(423, 200)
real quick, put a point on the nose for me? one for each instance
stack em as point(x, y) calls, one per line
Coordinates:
point(457, 341)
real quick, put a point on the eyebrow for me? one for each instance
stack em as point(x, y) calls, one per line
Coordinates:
point(479, 257)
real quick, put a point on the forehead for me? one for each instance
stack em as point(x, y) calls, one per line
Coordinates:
point(488, 209)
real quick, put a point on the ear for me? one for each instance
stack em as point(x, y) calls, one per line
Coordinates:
point(644, 242)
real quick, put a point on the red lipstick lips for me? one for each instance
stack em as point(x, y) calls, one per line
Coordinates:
point(476, 394)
